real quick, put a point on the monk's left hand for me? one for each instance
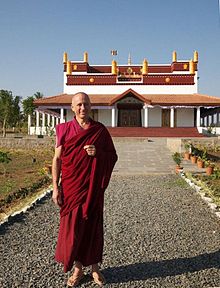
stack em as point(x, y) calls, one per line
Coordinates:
point(90, 149)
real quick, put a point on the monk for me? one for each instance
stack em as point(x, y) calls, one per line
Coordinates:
point(83, 162)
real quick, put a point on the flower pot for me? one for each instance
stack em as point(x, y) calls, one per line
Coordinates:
point(178, 169)
point(193, 159)
point(200, 163)
point(186, 156)
point(209, 170)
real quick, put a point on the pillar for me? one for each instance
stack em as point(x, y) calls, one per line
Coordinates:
point(57, 120)
point(113, 116)
point(146, 116)
point(172, 117)
point(43, 119)
point(62, 115)
point(29, 123)
point(37, 119)
point(198, 117)
point(48, 120)
point(53, 121)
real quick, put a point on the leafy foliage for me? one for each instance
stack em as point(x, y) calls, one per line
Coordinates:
point(4, 159)
point(177, 158)
point(9, 110)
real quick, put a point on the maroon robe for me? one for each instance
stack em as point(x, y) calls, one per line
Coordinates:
point(83, 181)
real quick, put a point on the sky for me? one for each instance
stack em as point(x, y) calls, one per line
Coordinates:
point(35, 33)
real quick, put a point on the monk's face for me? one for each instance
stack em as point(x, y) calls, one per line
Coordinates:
point(81, 106)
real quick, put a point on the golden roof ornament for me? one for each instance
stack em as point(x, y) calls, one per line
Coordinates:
point(85, 57)
point(145, 67)
point(174, 56)
point(191, 67)
point(69, 68)
point(196, 56)
point(65, 58)
point(114, 67)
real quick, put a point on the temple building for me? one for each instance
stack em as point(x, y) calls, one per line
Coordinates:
point(132, 95)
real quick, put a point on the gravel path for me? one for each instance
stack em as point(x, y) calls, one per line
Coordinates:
point(158, 233)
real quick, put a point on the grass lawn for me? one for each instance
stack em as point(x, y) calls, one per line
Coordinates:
point(25, 170)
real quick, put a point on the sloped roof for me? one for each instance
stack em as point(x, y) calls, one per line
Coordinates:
point(153, 99)
point(183, 99)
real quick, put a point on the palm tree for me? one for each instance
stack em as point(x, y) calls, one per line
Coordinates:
point(38, 95)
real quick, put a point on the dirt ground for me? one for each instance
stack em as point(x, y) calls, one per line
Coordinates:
point(25, 168)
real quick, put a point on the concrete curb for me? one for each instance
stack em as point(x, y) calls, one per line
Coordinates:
point(201, 192)
point(40, 197)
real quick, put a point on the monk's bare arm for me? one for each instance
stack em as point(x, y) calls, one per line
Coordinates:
point(56, 169)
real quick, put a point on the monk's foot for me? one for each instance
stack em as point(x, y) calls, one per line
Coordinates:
point(98, 278)
point(75, 279)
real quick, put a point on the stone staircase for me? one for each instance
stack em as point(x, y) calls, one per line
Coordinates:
point(143, 156)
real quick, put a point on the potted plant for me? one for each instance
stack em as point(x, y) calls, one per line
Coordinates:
point(177, 159)
point(209, 167)
point(202, 158)
point(187, 147)
point(200, 162)
point(194, 155)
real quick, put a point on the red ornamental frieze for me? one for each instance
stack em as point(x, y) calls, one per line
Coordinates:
point(175, 66)
point(142, 80)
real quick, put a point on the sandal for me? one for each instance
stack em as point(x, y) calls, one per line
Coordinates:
point(98, 278)
point(74, 280)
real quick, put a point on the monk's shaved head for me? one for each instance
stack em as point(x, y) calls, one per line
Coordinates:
point(81, 106)
point(79, 94)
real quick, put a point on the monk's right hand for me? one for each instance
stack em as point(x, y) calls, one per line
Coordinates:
point(55, 196)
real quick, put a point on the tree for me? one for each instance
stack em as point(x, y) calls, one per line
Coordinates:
point(28, 104)
point(38, 95)
point(9, 110)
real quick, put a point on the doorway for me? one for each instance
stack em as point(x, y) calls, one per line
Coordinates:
point(129, 115)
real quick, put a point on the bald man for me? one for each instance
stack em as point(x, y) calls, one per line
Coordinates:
point(83, 162)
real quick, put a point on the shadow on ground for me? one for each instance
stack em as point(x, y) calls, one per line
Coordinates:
point(161, 269)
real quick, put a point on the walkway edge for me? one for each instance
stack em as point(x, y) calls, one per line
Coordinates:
point(201, 192)
point(38, 198)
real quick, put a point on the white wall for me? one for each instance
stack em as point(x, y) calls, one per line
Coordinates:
point(141, 89)
point(105, 117)
point(154, 117)
point(185, 117)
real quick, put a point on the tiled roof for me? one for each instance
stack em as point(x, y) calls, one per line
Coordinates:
point(153, 99)
point(183, 99)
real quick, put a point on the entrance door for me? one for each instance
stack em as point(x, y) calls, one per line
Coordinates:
point(129, 118)
point(165, 117)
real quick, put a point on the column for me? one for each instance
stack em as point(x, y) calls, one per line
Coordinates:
point(37, 119)
point(43, 119)
point(198, 117)
point(113, 116)
point(48, 120)
point(29, 123)
point(53, 121)
point(57, 120)
point(172, 117)
point(62, 120)
point(146, 116)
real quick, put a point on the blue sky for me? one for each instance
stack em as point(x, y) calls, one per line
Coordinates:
point(35, 33)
